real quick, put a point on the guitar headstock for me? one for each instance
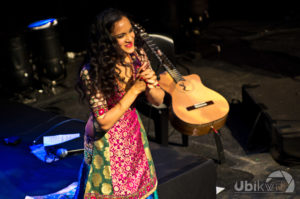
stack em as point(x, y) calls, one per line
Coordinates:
point(138, 29)
point(163, 59)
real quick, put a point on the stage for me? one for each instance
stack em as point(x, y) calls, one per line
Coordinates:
point(25, 172)
point(249, 55)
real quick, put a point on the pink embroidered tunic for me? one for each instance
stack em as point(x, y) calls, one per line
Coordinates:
point(117, 163)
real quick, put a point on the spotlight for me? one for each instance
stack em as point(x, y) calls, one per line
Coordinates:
point(21, 73)
point(48, 55)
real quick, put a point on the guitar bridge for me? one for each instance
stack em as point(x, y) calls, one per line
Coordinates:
point(199, 105)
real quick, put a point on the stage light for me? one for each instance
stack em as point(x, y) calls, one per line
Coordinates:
point(47, 52)
point(42, 24)
point(21, 73)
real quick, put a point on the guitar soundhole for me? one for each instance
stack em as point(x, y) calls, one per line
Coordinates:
point(184, 86)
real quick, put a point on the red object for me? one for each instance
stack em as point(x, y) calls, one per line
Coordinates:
point(214, 130)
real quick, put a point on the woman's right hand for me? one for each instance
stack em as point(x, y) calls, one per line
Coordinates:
point(139, 86)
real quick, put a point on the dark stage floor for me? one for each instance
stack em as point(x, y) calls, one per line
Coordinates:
point(250, 53)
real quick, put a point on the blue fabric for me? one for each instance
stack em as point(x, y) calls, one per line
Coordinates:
point(153, 196)
point(84, 169)
point(150, 197)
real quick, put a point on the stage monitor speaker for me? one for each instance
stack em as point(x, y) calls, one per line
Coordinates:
point(273, 111)
point(198, 181)
point(183, 175)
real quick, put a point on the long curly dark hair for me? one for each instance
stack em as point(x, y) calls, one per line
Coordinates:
point(103, 53)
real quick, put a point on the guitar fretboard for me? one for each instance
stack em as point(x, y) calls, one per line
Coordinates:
point(163, 59)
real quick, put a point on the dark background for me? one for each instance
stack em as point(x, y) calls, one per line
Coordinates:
point(156, 15)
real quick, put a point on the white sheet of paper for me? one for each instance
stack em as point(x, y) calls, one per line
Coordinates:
point(58, 139)
point(219, 189)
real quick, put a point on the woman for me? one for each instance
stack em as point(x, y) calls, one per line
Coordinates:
point(117, 159)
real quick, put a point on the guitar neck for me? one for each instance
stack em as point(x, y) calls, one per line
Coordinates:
point(163, 59)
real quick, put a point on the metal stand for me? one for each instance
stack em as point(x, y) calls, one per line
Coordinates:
point(185, 140)
point(219, 145)
point(160, 117)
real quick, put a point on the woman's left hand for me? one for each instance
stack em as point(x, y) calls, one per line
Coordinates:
point(148, 75)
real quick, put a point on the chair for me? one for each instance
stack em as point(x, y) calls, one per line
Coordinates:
point(159, 114)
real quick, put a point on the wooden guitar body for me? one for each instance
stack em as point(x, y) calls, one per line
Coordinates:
point(211, 107)
point(195, 108)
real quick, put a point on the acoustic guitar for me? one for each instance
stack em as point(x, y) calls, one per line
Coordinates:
point(195, 109)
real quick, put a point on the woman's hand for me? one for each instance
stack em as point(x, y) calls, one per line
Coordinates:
point(148, 75)
point(139, 86)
